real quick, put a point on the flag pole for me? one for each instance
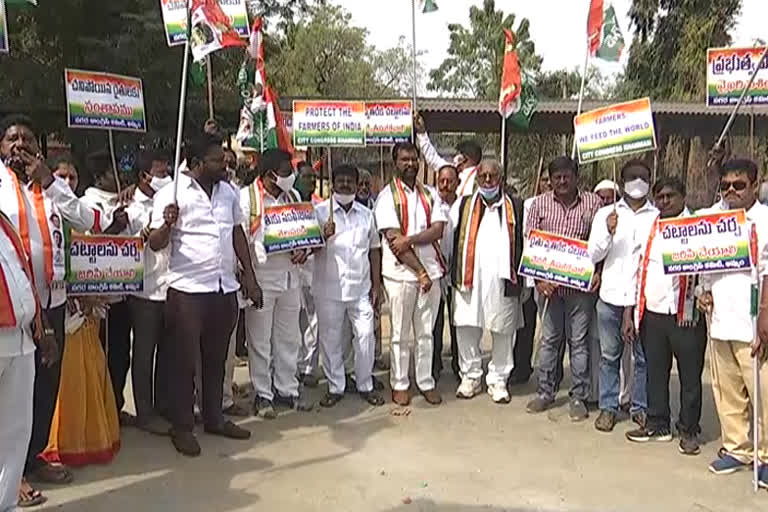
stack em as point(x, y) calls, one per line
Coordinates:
point(415, 65)
point(581, 96)
point(180, 125)
point(504, 148)
point(210, 85)
point(756, 412)
point(114, 160)
point(330, 185)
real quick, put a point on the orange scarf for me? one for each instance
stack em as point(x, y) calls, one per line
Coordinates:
point(38, 203)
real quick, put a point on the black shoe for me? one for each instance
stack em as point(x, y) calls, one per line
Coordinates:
point(640, 419)
point(330, 399)
point(185, 443)
point(645, 435)
point(689, 444)
point(372, 397)
point(229, 430)
point(264, 408)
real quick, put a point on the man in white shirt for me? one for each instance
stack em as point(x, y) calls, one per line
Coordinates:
point(411, 220)
point(735, 347)
point(37, 202)
point(487, 248)
point(203, 227)
point(272, 331)
point(468, 156)
point(346, 283)
point(617, 236)
point(149, 364)
point(668, 324)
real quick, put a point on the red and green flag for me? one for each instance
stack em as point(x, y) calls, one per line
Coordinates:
point(210, 29)
point(603, 32)
point(511, 79)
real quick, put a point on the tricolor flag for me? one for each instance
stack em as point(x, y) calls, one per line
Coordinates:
point(428, 6)
point(211, 29)
point(261, 124)
point(603, 32)
point(511, 80)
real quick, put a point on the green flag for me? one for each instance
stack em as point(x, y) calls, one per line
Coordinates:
point(527, 101)
point(428, 6)
point(612, 43)
point(21, 3)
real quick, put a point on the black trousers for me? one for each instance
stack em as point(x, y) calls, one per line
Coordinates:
point(46, 391)
point(662, 338)
point(118, 347)
point(200, 325)
point(149, 363)
point(523, 351)
point(437, 338)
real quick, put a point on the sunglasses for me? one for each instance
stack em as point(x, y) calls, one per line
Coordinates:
point(738, 186)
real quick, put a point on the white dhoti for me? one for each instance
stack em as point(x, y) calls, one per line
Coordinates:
point(331, 316)
point(273, 344)
point(413, 317)
point(308, 354)
point(17, 377)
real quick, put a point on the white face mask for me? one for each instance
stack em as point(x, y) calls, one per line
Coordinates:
point(637, 188)
point(285, 182)
point(158, 183)
point(343, 199)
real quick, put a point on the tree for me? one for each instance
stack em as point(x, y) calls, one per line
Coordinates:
point(549, 84)
point(476, 55)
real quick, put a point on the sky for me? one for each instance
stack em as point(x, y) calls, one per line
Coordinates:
point(558, 27)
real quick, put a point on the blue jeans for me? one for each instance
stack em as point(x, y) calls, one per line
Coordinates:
point(609, 319)
point(566, 319)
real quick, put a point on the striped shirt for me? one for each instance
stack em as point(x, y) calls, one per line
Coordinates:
point(575, 221)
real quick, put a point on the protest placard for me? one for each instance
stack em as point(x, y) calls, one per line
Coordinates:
point(104, 265)
point(614, 131)
point(3, 29)
point(291, 226)
point(388, 122)
point(716, 242)
point(329, 123)
point(728, 73)
point(175, 19)
point(557, 259)
point(104, 101)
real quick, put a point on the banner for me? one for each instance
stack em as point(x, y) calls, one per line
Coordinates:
point(175, 19)
point(729, 71)
point(388, 122)
point(104, 101)
point(717, 242)
point(291, 226)
point(615, 131)
point(329, 123)
point(3, 28)
point(104, 265)
point(557, 259)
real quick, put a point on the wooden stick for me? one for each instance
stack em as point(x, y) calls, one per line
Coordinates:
point(114, 161)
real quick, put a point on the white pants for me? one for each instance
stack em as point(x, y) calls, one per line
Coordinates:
point(273, 344)
point(17, 378)
point(471, 356)
point(308, 354)
point(413, 317)
point(227, 397)
point(330, 318)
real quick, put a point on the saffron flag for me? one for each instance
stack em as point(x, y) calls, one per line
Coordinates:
point(261, 124)
point(511, 80)
point(210, 29)
point(428, 6)
point(603, 32)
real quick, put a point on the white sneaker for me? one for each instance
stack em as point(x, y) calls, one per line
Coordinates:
point(499, 393)
point(468, 388)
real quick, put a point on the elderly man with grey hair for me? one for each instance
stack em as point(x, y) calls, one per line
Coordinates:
point(487, 247)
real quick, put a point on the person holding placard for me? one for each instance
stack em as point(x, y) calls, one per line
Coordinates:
point(668, 324)
point(567, 313)
point(734, 298)
point(488, 244)
point(200, 218)
point(410, 217)
point(272, 331)
point(346, 283)
point(618, 233)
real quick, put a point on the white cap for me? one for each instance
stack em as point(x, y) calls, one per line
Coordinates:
point(607, 185)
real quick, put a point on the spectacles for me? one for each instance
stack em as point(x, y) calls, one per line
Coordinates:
point(738, 186)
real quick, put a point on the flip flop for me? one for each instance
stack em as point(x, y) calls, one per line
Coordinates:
point(32, 498)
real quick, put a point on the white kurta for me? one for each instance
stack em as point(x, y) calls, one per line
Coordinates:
point(485, 305)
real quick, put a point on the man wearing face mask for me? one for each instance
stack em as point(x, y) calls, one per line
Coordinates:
point(346, 281)
point(411, 219)
point(468, 156)
point(487, 247)
point(273, 330)
point(618, 234)
point(149, 357)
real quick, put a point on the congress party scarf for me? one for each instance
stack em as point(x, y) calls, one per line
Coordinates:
point(7, 313)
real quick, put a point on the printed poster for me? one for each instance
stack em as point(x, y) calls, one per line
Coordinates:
point(388, 122)
point(104, 101)
point(557, 259)
point(291, 226)
point(729, 71)
point(104, 265)
point(329, 123)
point(615, 131)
